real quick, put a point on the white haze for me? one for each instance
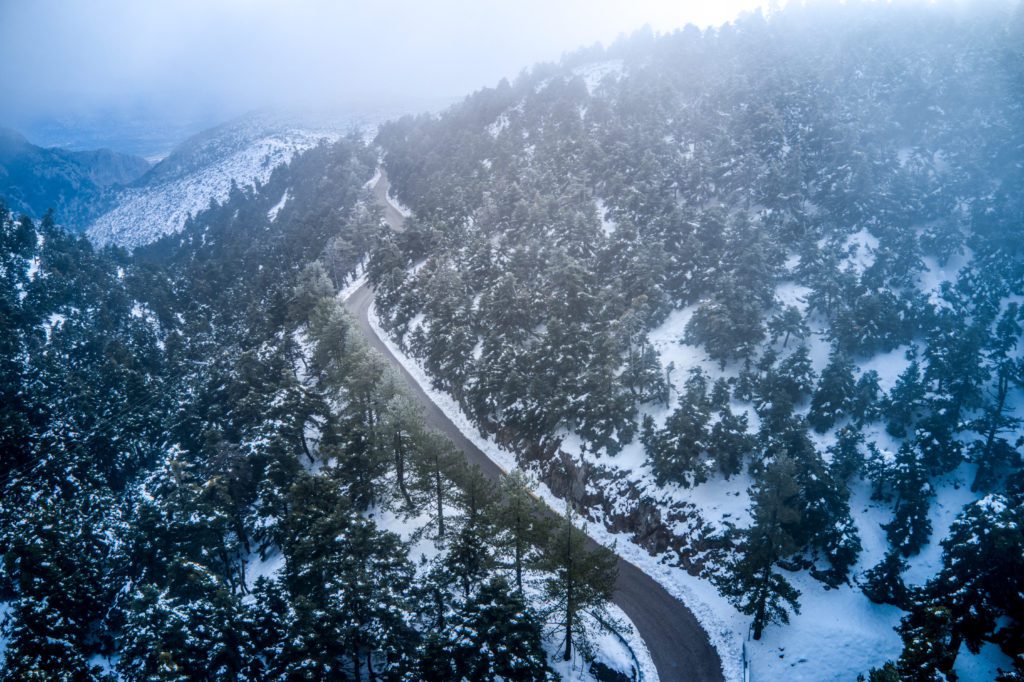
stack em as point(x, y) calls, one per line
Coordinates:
point(206, 58)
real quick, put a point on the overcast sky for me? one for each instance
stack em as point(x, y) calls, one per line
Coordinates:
point(235, 55)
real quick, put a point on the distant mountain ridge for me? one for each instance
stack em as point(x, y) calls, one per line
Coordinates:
point(122, 199)
point(76, 184)
point(242, 152)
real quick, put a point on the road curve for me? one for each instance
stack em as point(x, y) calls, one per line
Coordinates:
point(679, 646)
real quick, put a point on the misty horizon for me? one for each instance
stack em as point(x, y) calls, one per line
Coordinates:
point(184, 67)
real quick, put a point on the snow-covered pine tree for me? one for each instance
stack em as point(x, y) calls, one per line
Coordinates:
point(834, 393)
point(493, 635)
point(910, 527)
point(751, 581)
point(580, 580)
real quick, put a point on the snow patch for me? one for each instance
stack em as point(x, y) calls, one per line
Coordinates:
point(372, 182)
point(607, 225)
point(594, 74)
point(397, 205)
point(272, 213)
point(861, 246)
point(498, 125)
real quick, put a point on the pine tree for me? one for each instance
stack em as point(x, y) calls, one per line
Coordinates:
point(910, 527)
point(786, 324)
point(677, 452)
point(955, 371)
point(273, 618)
point(35, 649)
point(884, 584)
point(435, 459)
point(887, 673)
point(581, 580)
point(313, 286)
point(926, 632)
point(745, 386)
point(795, 374)
point(62, 558)
point(750, 581)
point(729, 442)
point(494, 635)
point(826, 525)
point(993, 451)
point(864, 404)
point(728, 325)
point(606, 416)
point(847, 458)
point(936, 438)
point(643, 376)
point(367, 591)
point(518, 522)
point(362, 452)
point(904, 402)
point(199, 632)
point(350, 586)
point(833, 396)
point(981, 581)
point(469, 557)
point(404, 422)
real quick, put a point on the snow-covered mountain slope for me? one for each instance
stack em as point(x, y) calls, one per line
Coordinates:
point(203, 169)
point(746, 221)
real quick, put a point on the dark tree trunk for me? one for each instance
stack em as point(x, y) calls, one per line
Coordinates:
point(759, 614)
point(400, 466)
point(519, 559)
point(570, 601)
point(986, 468)
point(439, 493)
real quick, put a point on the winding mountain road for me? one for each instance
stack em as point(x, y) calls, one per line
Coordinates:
point(678, 644)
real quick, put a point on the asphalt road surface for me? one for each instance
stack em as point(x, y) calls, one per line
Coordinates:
point(678, 644)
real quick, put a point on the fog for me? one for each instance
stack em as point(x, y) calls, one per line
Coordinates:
point(214, 59)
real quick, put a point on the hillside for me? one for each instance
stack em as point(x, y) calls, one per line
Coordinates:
point(202, 170)
point(752, 297)
point(75, 184)
point(699, 350)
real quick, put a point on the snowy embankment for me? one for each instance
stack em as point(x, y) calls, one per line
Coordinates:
point(687, 589)
point(358, 280)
